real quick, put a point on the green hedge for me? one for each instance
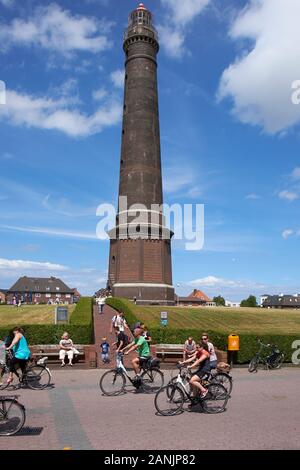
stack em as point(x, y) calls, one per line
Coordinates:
point(80, 327)
point(248, 342)
point(121, 306)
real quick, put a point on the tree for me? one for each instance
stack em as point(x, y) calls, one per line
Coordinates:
point(250, 302)
point(220, 301)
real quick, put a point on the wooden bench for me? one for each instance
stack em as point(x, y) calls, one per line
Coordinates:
point(174, 350)
point(52, 352)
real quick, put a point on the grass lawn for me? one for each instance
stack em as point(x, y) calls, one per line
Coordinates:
point(28, 315)
point(224, 320)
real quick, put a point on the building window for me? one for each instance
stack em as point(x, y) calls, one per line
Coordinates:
point(48, 296)
point(48, 288)
point(58, 295)
point(57, 288)
point(68, 296)
point(37, 296)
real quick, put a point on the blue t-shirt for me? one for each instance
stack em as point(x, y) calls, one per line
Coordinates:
point(21, 349)
point(105, 347)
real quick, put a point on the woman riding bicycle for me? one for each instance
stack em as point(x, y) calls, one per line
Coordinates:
point(21, 353)
point(201, 358)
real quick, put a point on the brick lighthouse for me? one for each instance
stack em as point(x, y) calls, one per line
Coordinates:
point(140, 266)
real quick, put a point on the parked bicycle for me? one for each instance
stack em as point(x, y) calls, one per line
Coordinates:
point(215, 376)
point(169, 400)
point(273, 360)
point(12, 415)
point(113, 382)
point(37, 375)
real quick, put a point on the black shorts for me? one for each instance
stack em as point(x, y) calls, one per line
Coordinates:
point(201, 373)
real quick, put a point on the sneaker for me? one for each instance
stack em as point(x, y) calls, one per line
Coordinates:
point(63, 365)
point(203, 395)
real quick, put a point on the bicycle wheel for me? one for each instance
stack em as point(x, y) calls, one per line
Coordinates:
point(225, 380)
point(152, 380)
point(169, 400)
point(12, 417)
point(4, 372)
point(37, 377)
point(278, 362)
point(112, 383)
point(253, 364)
point(216, 399)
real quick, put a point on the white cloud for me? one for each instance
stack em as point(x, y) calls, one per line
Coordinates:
point(98, 95)
point(117, 77)
point(29, 265)
point(176, 181)
point(52, 232)
point(296, 174)
point(253, 196)
point(288, 195)
point(7, 3)
point(259, 81)
point(212, 281)
point(172, 41)
point(173, 30)
point(287, 233)
point(183, 12)
point(55, 29)
point(58, 114)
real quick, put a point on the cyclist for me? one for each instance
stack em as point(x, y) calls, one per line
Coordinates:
point(211, 350)
point(200, 359)
point(140, 345)
point(21, 353)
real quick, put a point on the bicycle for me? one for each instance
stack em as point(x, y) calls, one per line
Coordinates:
point(113, 382)
point(170, 399)
point(224, 378)
point(272, 361)
point(37, 375)
point(12, 415)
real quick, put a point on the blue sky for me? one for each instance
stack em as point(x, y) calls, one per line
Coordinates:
point(229, 134)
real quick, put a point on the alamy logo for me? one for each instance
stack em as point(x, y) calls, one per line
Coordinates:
point(296, 354)
point(2, 92)
point(296, 93)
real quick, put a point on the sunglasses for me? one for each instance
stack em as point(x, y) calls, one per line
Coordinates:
point(204, 339)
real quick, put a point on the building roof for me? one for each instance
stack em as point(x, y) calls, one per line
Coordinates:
point(40, 285)
point(282, 301)
point(198, 294)
point(141, 6)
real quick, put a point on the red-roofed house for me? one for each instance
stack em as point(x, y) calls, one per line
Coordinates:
point(196, 299)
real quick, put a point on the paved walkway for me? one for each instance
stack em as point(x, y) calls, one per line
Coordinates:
point(263, 413)
point(102, 324)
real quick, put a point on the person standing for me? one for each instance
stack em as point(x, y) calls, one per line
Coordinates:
point(105, 348)
point(101, 303)
point(118, 321)
point(211, 350)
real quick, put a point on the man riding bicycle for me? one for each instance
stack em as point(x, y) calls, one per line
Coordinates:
point(140, 345)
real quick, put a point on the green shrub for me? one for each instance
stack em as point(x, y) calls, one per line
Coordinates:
point(122, 306)
point(80, 327)
point(248, 341)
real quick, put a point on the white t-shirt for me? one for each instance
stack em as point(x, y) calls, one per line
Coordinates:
point(212, 352)
point(119, 322)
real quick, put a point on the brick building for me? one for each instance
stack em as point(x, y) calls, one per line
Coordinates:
point(196, 299)
point(32, 290)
